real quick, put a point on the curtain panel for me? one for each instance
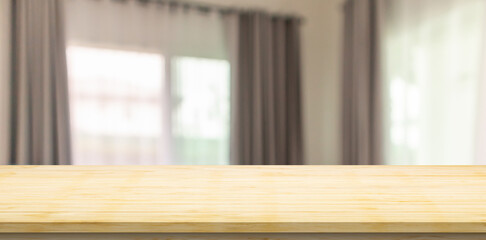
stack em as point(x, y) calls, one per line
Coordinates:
point(362, 83)
point(40, 132)
point(268, 127)
point(5, 25)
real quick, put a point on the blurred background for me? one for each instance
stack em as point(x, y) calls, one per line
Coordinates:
point(250, 82)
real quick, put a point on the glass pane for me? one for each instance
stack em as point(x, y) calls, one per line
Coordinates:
point(201, 110)
point(116, 106)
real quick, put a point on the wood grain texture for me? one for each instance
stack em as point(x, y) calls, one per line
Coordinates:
point(216, 236)
point(243, 199)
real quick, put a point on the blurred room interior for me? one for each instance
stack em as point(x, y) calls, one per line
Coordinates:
point(244, 82)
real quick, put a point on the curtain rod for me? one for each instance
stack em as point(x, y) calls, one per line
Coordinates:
point(207, 7)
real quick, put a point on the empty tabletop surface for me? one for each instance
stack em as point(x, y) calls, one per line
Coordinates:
point(242, 199)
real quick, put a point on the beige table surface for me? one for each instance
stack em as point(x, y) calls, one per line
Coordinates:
point(242, 199)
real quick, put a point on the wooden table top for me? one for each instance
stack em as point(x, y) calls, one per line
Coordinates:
point(243, 199)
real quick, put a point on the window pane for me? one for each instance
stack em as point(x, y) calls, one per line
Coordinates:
point(201, 110)
point(116, 106)
point(432, 70)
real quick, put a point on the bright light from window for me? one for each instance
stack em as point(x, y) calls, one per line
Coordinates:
point(116, 106)
point(201, 110)
point(431, 75)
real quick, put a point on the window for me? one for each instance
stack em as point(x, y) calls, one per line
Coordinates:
point(123, 114)
point(116, 106)
point(201, 112)
point(433, 56)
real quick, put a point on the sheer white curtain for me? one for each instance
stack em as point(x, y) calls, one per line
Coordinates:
point(433, 61)
point(480, 157)
point(149, 83)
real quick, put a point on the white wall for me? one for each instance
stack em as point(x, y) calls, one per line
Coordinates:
point(4, 76)
point(322, 37)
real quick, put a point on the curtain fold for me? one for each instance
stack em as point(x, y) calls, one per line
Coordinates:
point(39, 96)
point(5, 25)
point(362, 83)
point(268, 125)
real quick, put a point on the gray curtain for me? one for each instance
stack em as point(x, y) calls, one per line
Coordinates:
point(362, 115)
point(268, 126)
point(39, 99)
